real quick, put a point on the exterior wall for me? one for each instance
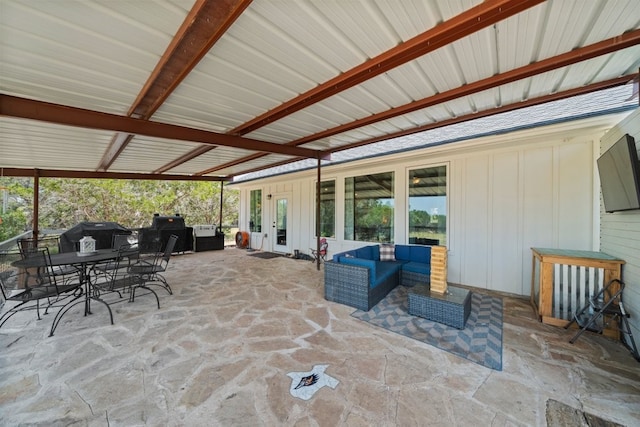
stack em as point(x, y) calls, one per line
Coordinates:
point(620, 231)
point(506, 194)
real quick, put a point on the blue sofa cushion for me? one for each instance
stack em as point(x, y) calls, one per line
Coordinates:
point(385, 270)
point(417, 267)
point(364, 252)
point(371, 252)
point(420, 254)
point(375, 251)
point(350, 254)
point(402, 253)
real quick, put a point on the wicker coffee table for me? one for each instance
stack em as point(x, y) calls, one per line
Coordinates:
point(451, 308)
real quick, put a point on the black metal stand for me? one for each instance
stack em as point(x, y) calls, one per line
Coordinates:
point(602, 310)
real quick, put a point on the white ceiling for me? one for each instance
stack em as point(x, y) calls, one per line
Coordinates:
point(98, 55)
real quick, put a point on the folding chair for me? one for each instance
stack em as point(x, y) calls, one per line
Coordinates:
point(322, 253)
point(602, 310)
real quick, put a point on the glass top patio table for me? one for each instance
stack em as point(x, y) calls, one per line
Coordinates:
point(82, 263)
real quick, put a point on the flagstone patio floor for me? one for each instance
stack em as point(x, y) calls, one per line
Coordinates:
point(218, 351)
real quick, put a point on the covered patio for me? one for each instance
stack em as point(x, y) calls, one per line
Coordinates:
point(219, 350)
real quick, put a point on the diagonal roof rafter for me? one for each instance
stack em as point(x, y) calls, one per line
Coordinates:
point(577, 55)
point(23, 108)
point(468, 22)
point(297, 80)
point(607, 84)
point(207, 21)
point(59, 173)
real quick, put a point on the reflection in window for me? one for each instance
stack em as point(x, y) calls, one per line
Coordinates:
point(327, 209)
point(369, 208)
point(255, 211)
point(428, 206)
point(281, 221)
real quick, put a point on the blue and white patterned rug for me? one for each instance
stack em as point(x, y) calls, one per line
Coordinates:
point(480, 341)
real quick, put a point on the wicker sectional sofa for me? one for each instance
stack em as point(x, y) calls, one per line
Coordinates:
point(361, 277)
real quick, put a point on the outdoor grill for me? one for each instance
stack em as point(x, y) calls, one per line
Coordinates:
point(175, 222)
point(162, 227)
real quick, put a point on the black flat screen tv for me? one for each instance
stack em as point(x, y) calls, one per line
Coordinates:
point(619, 171)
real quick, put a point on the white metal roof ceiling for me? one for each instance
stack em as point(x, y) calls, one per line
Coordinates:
point(289, 73)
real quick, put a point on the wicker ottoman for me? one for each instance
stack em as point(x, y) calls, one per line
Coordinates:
point(451, 308)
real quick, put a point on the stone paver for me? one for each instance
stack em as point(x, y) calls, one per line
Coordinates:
point(219, 350)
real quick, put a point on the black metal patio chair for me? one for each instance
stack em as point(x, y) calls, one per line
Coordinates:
point(30, 245)
point(35, 288)
point(112, 281)
point(150, 269)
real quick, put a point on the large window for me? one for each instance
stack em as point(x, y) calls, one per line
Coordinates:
point(255, 211)
point(327, 209)
point(368, 211)
point(428, 206)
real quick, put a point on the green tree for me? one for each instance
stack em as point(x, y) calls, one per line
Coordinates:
point(419, 218)
point(15, 213)
point(131, 203)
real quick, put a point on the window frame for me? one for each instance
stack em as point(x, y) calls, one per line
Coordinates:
point(442, 237)
point(387, 211)
point(255, 211)
point(335, 186)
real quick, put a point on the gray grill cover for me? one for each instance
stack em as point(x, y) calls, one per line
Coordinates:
point(102, 232)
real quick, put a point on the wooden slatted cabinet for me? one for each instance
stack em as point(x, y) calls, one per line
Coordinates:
point(563, 280)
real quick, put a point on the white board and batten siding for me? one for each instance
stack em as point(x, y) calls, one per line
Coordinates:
point(620, 231)
point(506, 194)
point(538, 194)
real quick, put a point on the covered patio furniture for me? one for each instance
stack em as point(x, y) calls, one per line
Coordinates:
point(102, 232)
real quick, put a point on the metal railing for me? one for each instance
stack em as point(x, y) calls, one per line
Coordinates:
point(12, 243)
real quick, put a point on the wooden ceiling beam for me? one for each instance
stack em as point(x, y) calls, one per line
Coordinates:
point(503, 109)
point(12, 106)
point(231, 163)
point(480, 114)
point(57, 173)
point(604, 47)
point(206, 22)
point(468, 22)
point(185, 158)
